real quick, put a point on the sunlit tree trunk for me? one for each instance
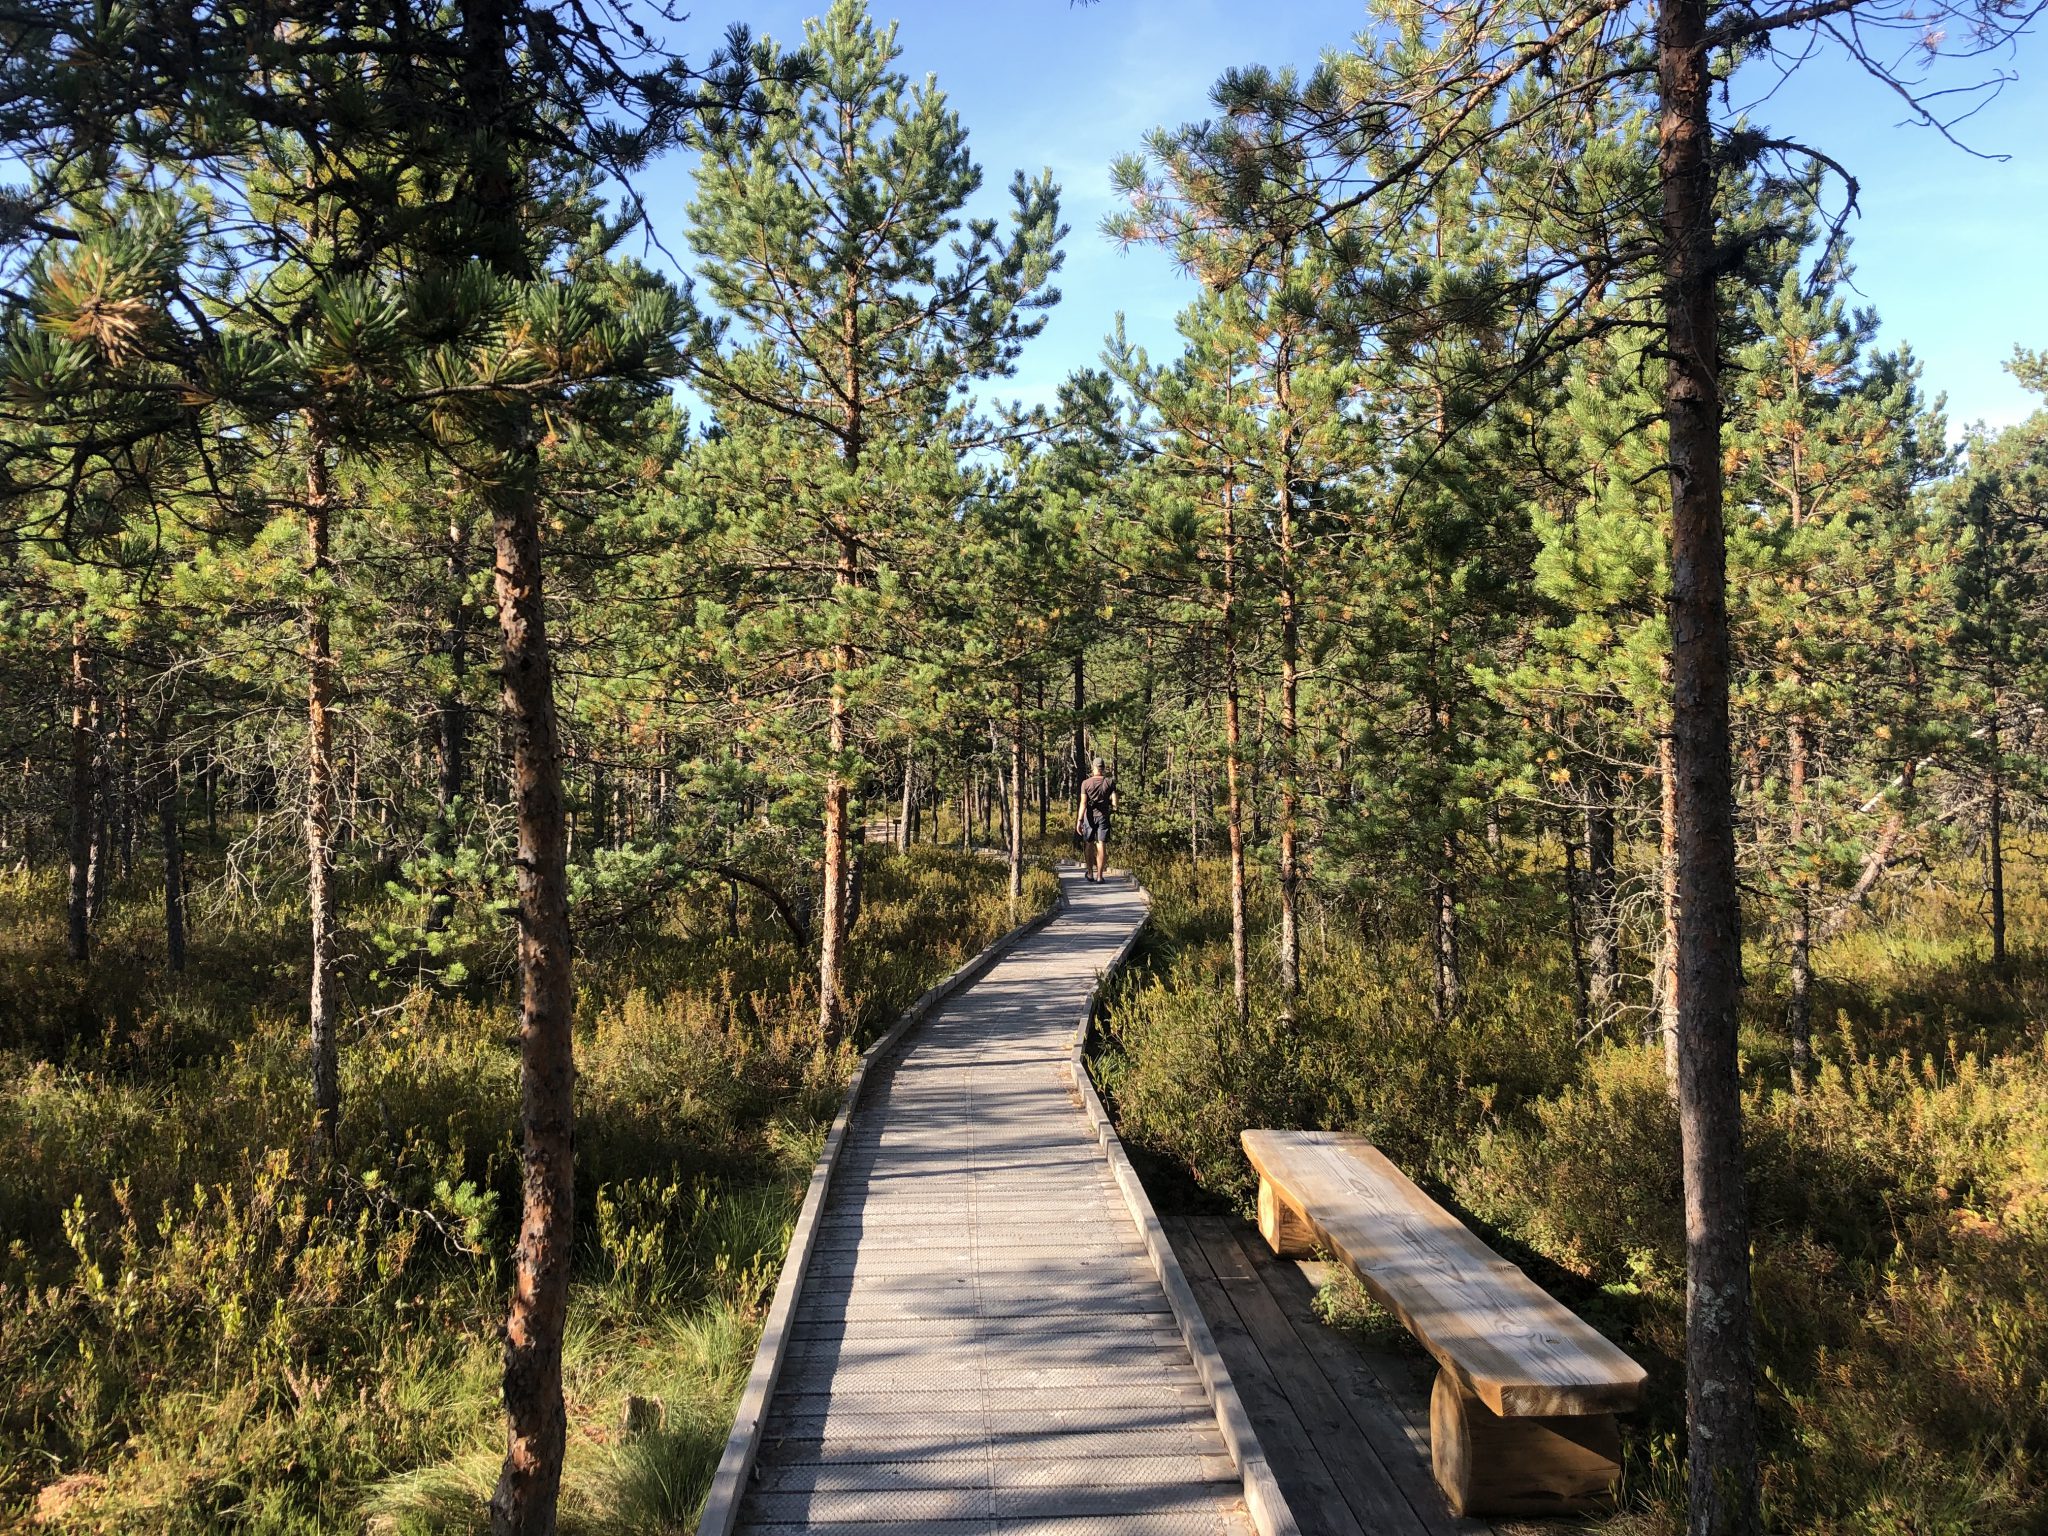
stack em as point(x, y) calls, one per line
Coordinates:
point(1799, 1002)
point(78, 904)
point(171, 842)
point(1289, 765)
point(1016, 798)
point(451, 714)
point(1721, 1436)
point(1995, 831)
point(323, 1002)
point(508, 486)
point(1233, 748)
point(906, 820)
point(1603, 958)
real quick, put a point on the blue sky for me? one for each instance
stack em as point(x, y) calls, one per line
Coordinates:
point(1949, 248)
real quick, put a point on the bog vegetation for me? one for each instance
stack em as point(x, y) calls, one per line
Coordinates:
point(1579, 706)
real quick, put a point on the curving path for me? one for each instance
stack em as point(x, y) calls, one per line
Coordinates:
point(981, 1343)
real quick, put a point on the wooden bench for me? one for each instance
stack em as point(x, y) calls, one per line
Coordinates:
point(1521, 1420)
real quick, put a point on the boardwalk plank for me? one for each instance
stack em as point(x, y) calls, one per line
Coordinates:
point(981, 1344)
point(1311, 1485)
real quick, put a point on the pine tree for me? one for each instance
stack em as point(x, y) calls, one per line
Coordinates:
point(1820, 487)
point(834, 244)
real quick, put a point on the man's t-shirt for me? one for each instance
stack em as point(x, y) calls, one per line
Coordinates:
point(1096, 792)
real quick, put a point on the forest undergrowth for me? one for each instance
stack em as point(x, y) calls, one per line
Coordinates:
point(1899, 1199)
point(198, 1334)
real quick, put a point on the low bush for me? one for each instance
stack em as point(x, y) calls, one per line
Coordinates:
point(200, 1333)
point(1899, 1198)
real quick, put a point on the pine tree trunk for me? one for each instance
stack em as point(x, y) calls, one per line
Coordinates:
point(451, 718)
point(909, 805)
point(172, 844)
point(100, 856)
point(1603, 957)
point(1288, 765)
point(1450, 980)
point(1449, 994)
point(529, 1479)
point(1240, 942)
point(1799, 1003)
point(1995, 836)
point(1080, 721)
point(78, 905)
point(123, 786)
point(1576, 903)
point(1144, 781)
point(856, 873)
point(1016, 798)
point(832, 923)
point(1721, 1433)
point(1044, 787)
point(323, 1001)
point(1666, 1024)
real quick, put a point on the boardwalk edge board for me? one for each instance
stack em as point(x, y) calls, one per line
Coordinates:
point(1263, 1499)
point(743, 1445)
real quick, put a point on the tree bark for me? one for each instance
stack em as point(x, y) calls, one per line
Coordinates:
point(1080, 720)
point(171, 841)
point(1016, 797)
point(908, 809)
point(1144, 780)
point(1240, 944)
point(78, 904)
point(1995, 833)
point(1799, 1002)
point(1575, 931)
point(1448, 997)
point(121, 784)
point(100, 855)
point(1450, 977)
point(1882, 847)
point(322, 1001)
point(1044, 789)
point(1288, 765)
point(451, 716)
point(838, 799)
point(832, 916)
point(1664, 1029)
point(1722, 1486)
point(507, 480)
point(1603, 957)
point(530, 1479)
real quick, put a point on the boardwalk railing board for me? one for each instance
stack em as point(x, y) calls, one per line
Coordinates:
point(1522, 1417)
point(743, 1445)
point(1264, 1500)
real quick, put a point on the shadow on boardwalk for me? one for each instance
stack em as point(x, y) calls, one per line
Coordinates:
point(981, 1344)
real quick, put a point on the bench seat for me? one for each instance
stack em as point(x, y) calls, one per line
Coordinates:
point(1522, 1418)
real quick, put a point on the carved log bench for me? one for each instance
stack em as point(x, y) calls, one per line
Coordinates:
point(1522, 1417)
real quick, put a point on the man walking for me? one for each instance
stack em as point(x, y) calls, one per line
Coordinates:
point(1091, 821)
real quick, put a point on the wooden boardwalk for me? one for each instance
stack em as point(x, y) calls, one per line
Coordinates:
point(981, 1343)
point(1346, 1429)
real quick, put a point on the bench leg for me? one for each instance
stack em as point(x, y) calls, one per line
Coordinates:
point(1282, 1224)
point(1488, 1465)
